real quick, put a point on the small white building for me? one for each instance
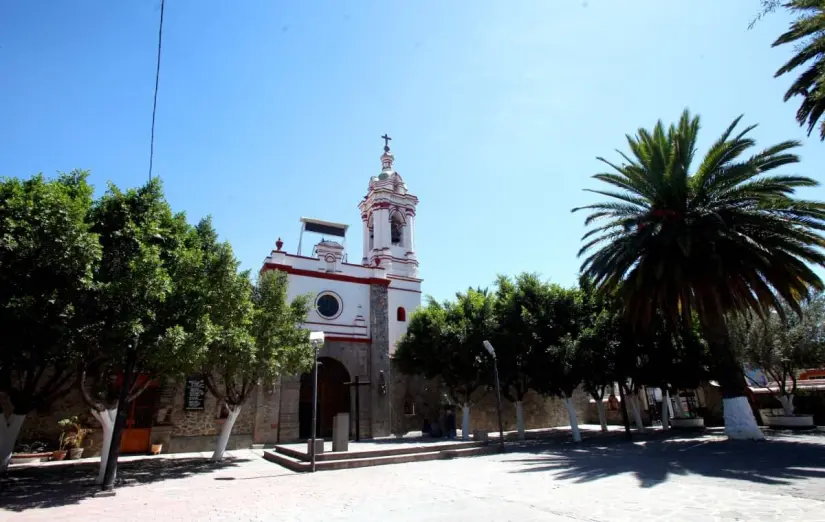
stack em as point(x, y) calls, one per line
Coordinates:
point(362, 308)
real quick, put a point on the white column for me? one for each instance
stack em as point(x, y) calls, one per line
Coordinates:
point(411, 233)
point(384, 218)
point(366, 241)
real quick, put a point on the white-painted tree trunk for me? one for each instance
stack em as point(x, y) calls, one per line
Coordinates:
point(106, 418)
point(680, 410)
point(465, 423)
point(787, 403)
point(226, 430)
point(520, 419)
point(9, 430)
point(665, 410)
point(633, 399)
point(739, 421)
point(602, 416)
point(574, 424)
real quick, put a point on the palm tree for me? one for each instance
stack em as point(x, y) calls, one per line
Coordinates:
point(721, 240)
point(808, 33)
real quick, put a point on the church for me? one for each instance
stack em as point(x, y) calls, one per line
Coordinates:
point(362, 308)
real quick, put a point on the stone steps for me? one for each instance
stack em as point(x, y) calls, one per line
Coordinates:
point(359, 460)
point(424, 448)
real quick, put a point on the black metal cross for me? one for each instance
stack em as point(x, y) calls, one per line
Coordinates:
point(357, 384)
point(387, 140)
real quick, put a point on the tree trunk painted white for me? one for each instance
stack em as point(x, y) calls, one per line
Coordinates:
point(9, 430)
point(571, 412)
point(665, 409)
point(670, 404)
point(680, 410)
point(633, 399)
point(787, 403)
point(602, 416)
point(465, 423)
point(223, 439)
point(106, 418)
point(739, 421)
point(520, 419)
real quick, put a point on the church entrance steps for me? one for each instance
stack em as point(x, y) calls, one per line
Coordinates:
point(301, 454)
point(297, 460)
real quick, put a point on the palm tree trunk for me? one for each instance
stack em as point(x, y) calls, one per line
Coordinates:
point(739, 420)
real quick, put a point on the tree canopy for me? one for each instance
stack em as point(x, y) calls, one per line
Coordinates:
point(807, 34)
point(723, 238)
point(48, 257)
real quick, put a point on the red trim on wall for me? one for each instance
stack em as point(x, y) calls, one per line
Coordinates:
point(326, 275)
point(346, 334)
point(302, 257)
point(364, 340)
point(404, 278)
point(335, 324)
point(405, 289)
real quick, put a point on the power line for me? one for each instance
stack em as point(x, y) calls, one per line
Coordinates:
point(155, 104)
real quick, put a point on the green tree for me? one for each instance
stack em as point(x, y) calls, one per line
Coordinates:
point(807, 34)
point(723, 239)
point(47, 258)
point(256, 336)
point(141, 300)
point(782, 348)
point(554, 367)
point(514, 339)
point(445, 340)
point(596, 346)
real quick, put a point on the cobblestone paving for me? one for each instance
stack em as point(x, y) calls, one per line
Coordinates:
point(704, 478)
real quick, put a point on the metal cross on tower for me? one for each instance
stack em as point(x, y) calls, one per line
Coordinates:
point(387, 140)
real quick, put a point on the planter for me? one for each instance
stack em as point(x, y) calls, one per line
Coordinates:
point(794, 422)
point(59, 454)
point(156, 449)
point(481, 436)
point(693, 423)
point(30, 458)
point(75, 453)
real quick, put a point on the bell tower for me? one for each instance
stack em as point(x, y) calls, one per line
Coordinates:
point(388, 217)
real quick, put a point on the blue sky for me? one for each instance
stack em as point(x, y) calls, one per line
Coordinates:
point(272, 110)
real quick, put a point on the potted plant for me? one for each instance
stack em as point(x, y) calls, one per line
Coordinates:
point(27, 453)
point(73, 436)
point(61, 451)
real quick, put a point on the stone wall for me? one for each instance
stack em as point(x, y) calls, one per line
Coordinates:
point(355, 356)
point(207, 421)
point(41, 426)
point(379, 361)
point(539, 411)
point(414, 401)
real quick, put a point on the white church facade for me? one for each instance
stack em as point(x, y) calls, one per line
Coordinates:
point(362, 308)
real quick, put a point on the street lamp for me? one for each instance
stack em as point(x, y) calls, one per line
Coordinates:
point(492, 352)
point(315, 338)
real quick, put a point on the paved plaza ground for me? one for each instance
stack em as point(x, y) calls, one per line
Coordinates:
point(661, 479)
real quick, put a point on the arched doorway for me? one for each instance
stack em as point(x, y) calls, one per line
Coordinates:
point(333, 397)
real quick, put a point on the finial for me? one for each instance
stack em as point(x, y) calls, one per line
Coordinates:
point(387, 140)
point(279, 244)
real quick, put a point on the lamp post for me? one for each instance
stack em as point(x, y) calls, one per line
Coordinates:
point(492, 353)
point(120, 420)
point(315, 338)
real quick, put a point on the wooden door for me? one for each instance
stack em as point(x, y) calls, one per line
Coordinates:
point(137, 435)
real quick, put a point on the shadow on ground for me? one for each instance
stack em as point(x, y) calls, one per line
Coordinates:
point(776, 461)
point(52, 486)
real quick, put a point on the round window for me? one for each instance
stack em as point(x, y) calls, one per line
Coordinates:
point(328, 306)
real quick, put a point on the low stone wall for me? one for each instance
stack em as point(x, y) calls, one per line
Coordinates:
point(188, 444)
point(539, 411)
